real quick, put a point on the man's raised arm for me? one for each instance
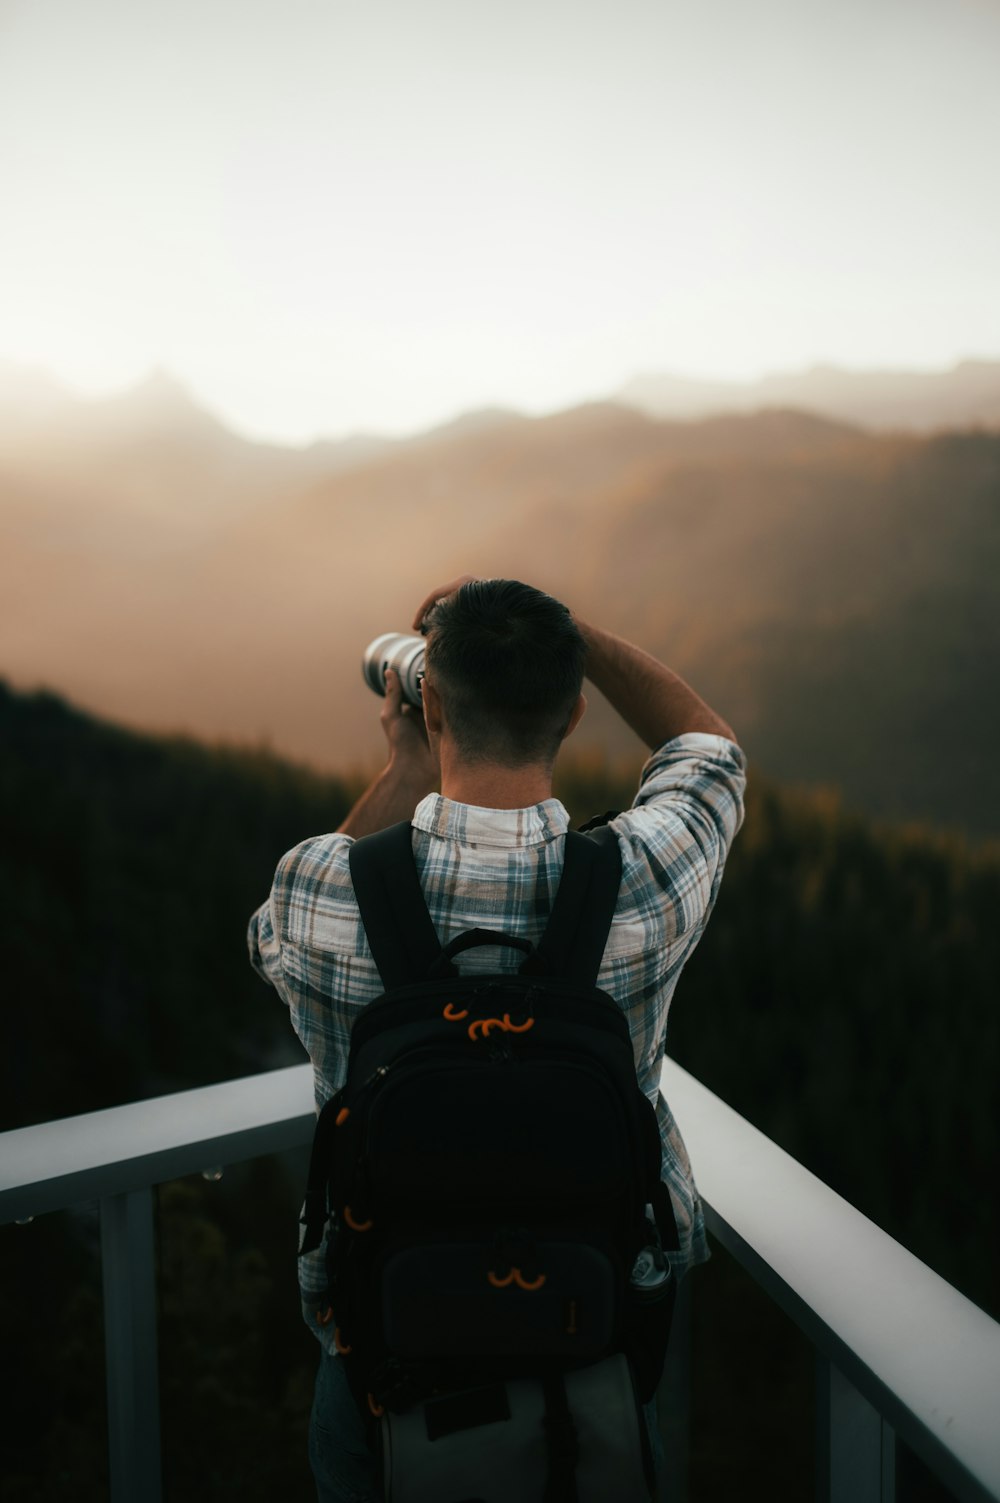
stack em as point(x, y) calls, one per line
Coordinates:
point(411, 771)
point(653, 701)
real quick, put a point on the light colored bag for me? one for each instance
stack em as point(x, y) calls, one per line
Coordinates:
point(502, 1442)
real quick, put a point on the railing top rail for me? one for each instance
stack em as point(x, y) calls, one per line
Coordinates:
point(923, 1354)
point(76, 1159)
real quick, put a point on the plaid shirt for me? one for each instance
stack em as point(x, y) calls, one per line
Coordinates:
point(499, 868)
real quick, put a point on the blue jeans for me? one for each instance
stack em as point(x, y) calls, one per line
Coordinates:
point(342, 1464)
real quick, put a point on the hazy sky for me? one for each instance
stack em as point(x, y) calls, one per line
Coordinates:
point(326, 215)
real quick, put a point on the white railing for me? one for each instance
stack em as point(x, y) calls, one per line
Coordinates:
point(115, 1157)
point(900, 1352)
point(898, 1348)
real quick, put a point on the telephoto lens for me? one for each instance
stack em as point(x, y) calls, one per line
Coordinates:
point(403, 654)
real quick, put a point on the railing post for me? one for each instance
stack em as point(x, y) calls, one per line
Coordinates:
point(855, 1448)
point(129, 1274)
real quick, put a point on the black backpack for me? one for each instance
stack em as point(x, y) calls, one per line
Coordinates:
point(490, 1174)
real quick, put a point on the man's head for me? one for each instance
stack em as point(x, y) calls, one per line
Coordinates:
point(506, 663)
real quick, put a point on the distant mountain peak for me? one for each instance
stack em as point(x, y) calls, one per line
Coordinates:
point(160, 385)
point(29, 393)
point(157, 400)
point(476, 420)
point(967, 394)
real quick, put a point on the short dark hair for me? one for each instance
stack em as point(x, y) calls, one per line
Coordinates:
point(508, 662)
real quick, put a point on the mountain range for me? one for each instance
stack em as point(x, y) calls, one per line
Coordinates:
point(830, 587)
point(919, 401)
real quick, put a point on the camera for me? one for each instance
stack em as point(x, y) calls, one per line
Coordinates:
point(405, 655)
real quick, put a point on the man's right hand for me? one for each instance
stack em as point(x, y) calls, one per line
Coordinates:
point(410, 753)
point(411, 772)
point(653, 700)
point(440, 593)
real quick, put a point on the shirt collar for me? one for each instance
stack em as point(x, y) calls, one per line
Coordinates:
point(468, 824)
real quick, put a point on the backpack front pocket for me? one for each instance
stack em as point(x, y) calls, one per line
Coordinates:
point(459, 1299)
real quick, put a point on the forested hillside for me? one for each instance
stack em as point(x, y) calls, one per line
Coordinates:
point(128, 870)
point(843, 999)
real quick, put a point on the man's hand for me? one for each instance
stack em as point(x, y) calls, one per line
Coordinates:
point(440, 593)
point(653, 700)
point(409, 775)
point(410, 753)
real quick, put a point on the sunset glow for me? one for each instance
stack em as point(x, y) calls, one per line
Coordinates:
point(324, 218)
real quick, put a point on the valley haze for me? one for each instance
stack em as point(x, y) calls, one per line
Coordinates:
point(818, 552)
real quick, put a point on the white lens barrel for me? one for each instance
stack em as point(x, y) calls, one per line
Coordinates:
point(402, 653)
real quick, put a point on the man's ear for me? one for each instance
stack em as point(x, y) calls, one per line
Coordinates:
point(579, 710)
point(432, 707)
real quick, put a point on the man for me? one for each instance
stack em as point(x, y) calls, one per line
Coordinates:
point(504, 671)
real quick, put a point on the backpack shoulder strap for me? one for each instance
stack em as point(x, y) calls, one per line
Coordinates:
point(400, 932)
point(584, 906)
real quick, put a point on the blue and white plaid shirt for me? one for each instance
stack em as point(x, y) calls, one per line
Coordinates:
point(499, 869)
